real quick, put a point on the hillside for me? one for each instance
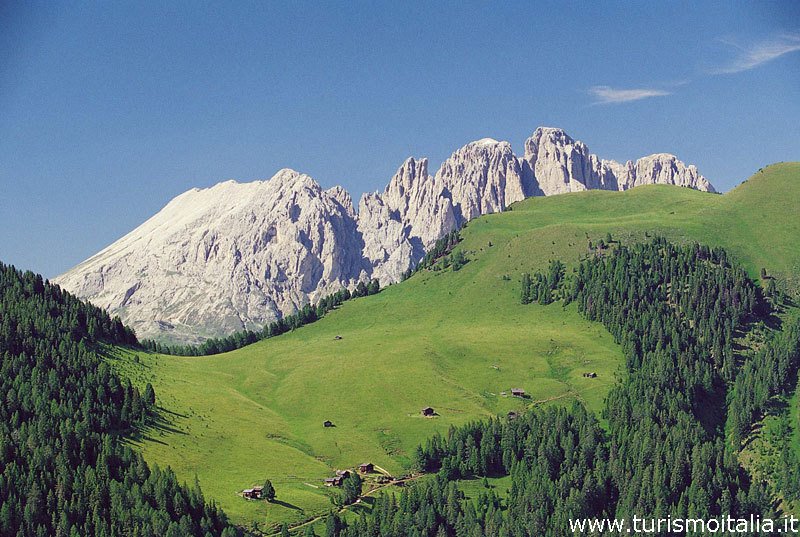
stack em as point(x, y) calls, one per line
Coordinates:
point(65, 468)
point(451, 340)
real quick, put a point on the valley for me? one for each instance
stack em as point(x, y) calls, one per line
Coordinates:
point(399, 269)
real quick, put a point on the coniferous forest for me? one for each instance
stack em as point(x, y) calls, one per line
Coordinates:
point(666, 443)
point(676, 311)
point(64, 468)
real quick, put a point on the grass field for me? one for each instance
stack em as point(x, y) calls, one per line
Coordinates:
point(451, 340)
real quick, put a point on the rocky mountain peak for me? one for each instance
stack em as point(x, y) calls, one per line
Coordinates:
point(408, 177)
point(221, 259)
point(484, 143)
point(665, 168)
point(557, 164)
point(342, 197)
point(289, 180)
point(554, 134)
point(481, 177)
point(237, 255)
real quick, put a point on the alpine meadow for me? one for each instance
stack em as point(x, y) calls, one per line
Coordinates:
point(346, 269)
point(455, 340)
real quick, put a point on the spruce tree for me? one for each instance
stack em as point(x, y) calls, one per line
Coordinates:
point(268, 492)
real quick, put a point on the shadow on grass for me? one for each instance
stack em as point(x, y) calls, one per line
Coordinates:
point(286, 504)
point(162, 410)
point(160, 422)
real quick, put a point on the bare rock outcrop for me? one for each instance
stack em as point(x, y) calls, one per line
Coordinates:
point(400, 223)
point(559, 164)
point(225, 258)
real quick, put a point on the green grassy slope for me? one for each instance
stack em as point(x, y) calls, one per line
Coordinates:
point(451, 340)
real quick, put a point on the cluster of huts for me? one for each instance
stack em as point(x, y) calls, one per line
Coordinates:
point(338, 479)
point(341, 475)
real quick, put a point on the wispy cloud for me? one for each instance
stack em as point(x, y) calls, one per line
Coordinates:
point(609, 95)
point(747, 57)
point(751, 56)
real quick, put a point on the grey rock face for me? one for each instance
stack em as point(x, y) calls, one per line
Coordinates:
point(559, 164)
point(416, 209)
point(225, 258)
point(236, 256)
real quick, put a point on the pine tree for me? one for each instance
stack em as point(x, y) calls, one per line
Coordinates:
point(149, 395)
point(268, 492)
point(525, 295)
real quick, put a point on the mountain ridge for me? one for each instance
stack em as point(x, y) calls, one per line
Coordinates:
point(237, 255)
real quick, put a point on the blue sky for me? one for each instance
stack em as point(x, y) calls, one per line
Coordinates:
point(110, 109)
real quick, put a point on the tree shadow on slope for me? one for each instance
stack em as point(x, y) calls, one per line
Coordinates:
point(159, 423)
point(286, 504)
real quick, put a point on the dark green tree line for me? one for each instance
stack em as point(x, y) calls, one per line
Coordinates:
point(771, 371)
point(440, 250)
point(64, 470)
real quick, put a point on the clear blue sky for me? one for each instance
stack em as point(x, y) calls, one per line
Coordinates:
point(109, 109)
